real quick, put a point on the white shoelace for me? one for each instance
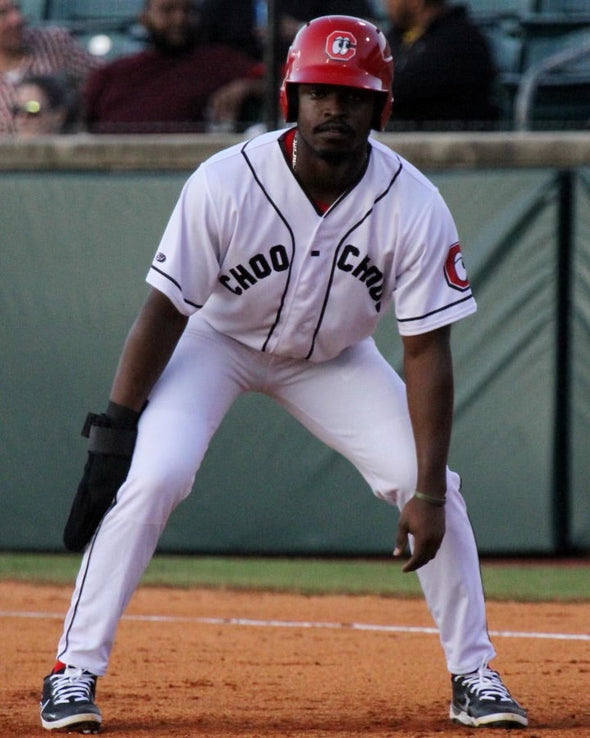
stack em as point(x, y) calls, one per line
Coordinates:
point(487, 684)
point(73, 684)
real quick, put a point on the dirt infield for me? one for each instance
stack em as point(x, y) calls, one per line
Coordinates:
point(221, 664)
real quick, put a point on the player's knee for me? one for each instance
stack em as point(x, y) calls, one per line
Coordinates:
point(386, 495)
point(151, 496)
point(400, 491)
point(396, 485)
point(396, 493)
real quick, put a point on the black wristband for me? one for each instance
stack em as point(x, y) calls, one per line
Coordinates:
point(121, 415)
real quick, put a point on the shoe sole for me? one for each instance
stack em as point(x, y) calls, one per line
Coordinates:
point(87, 724)
point(499, 720)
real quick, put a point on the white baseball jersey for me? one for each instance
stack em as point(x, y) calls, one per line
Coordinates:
point(247, 247)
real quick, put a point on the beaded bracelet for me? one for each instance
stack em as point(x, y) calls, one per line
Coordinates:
point(438, 501)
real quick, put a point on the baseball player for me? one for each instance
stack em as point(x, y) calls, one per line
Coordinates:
point(277, 262)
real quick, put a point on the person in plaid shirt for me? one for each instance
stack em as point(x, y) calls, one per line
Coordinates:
point(28, 50)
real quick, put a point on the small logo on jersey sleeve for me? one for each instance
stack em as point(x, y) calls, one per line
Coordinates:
point(455, 272)
point(341, 45)
point(160, 257)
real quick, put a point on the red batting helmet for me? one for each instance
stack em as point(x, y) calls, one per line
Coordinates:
point(339, 50)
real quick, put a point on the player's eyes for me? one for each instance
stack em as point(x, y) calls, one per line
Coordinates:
point(352, 97)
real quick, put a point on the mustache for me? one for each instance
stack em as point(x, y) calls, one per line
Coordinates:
point(334, 125)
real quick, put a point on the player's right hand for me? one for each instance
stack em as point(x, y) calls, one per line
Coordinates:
point(426, 524)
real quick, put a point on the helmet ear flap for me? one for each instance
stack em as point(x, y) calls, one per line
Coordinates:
point(292, 93)
point(378, 123)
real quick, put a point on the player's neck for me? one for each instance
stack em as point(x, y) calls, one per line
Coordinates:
point(326, 178)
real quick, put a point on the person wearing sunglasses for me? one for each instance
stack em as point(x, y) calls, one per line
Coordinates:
point(44, 105)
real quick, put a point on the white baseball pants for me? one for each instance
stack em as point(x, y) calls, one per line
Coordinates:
point(355, 404)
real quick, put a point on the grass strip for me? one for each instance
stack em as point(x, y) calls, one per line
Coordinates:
point(530, 581)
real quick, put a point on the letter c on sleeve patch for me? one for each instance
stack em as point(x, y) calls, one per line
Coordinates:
point(455, 272)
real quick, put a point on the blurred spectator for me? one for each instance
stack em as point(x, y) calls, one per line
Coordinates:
point(236, 23)
point(444, 74)
point(242, 24)
point(44, 105)
point(166, 87)
point(26, 50)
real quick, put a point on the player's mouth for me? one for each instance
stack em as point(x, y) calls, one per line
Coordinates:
point(334, 136)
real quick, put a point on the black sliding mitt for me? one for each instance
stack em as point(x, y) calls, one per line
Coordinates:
point(111, 440)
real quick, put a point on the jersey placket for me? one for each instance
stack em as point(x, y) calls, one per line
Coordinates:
point(308, 291)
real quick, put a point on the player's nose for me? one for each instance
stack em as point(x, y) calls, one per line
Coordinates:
point(335, 104)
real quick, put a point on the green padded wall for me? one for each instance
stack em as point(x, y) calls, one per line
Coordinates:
point(75, 250)
point(580, 369)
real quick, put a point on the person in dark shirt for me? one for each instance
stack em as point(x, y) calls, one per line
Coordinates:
point(445, 77)
point(165, 88)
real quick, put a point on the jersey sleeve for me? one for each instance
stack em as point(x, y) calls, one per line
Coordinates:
point(186, 265)
point(432, 288)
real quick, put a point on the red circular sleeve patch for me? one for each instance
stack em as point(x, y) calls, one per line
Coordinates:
point(455, 272)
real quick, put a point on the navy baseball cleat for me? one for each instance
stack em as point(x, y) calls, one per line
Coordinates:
point(67, 703)
point(480, 699)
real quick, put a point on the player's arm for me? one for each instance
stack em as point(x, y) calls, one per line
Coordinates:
point(428, 371)
point(149, 345)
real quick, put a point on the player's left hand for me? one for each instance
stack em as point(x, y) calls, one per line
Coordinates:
point(110, 449)
point(426, 523)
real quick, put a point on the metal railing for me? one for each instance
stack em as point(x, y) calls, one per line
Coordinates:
point(531, 79)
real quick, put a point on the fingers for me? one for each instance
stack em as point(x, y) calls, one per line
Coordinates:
point(426, 524)
point(401, 541)
point(418, 559)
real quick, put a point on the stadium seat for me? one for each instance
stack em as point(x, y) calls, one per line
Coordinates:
point(530, 94)
point(555, 103)
point(486, 10)
point(564, 6)
point(546, 34)
point(554, 89)
point(34, 9)
point(108, 10)
point(506, 48)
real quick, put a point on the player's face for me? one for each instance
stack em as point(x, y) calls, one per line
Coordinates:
point(335, 121)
